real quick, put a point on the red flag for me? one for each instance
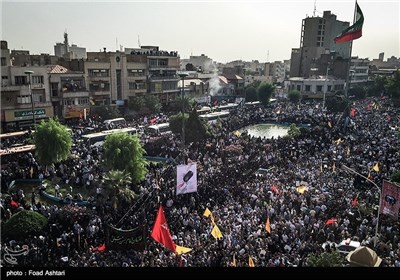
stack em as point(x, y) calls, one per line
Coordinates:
point(354, 202)
point(160, 232)
point(152, 120)
point(14, 204)
point(102, 247)
point(330, 221)
point(353, 112)
point(275, 189)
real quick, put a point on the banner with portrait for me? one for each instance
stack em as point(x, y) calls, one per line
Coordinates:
point(186, 178)
point(390, 199)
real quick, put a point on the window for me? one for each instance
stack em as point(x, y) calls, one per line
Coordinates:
point(54, 89)
point(98, 72)
point(21, 80)
point(298, 87)
point(37, 79)
point(136, 72)
point(3, 61)
point(319, 88)
point(329, 88)
point(83, 101)
point(308, 88)
point(132, 85)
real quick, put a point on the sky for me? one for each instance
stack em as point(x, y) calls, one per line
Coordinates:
point(263, 30)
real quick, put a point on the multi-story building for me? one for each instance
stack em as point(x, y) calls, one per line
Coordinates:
point(317, 38)
point(359, 68)
point(115, 77)
point(69, 52)
point(203, 63)
point(314, 87)
point(68, 93)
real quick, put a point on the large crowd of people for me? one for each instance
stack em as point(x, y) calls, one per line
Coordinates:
point(240, 201)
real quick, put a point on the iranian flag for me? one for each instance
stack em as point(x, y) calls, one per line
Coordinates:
point(353, 32)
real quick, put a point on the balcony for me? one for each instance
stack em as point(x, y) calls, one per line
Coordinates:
point(72, 94)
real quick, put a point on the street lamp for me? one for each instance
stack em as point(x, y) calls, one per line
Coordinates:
point(182, 76)
point(29, 73)
point(379, 203)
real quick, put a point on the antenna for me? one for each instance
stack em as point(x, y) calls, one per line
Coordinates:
point(315, 7)
point(267, 55)
point(138, 41)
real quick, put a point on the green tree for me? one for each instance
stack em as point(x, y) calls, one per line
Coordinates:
point(358, 91)
point(152, 103)
point(187, 103)
point(124, 152)
point(265, 92)
point(392, 85)
point(336, 104)
point(196, 130)
point(294, 96)
point(53, 142)
point(106, 112)
point(175, 123)
point(116, 187)
point(24, 223)
point(136, 103)
point(251, 94)
point(293, 131)
point(333, 259)
point(378, 87)
point(254, 84)
point(396, 176)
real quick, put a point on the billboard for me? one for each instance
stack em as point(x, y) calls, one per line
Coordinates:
point(186, 178)
point(390, 199)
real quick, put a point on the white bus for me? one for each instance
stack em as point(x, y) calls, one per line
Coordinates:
point(229, 106)
point(159, 129)
point(99, 137)
point(251, 104)
point(203, 110)
point(213, 117)
point(115, 122)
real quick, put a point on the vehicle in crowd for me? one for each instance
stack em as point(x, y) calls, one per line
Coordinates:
point(98, 138)
point(158, 129)
point(214, 116)
point(344, 247)
point(115, 122)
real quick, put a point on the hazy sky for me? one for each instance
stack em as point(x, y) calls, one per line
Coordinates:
point(264, 30)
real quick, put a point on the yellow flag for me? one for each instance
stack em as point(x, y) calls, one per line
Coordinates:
point(376, 167)
point(207, 213)
point(251, 262)
point(216, 232)
point(339, 141)
point(234, 261)
point(329, 124)
point(301, 189)
point(237, 133)
point(334, 167)
point(182, 250)
point(268, 226)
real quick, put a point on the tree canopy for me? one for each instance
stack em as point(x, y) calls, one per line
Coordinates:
point(53, 142)
point(294, 96)
point(265, 92)
point(24, 223)
point(124, 152)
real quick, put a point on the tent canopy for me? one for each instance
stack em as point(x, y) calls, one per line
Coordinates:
point(364, 256)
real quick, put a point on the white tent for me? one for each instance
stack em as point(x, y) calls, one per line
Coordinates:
point(364, 256)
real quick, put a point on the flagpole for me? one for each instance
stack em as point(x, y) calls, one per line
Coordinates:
point(380, 196)
point(346, 90)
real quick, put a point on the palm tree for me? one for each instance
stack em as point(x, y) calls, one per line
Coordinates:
point(116, 187)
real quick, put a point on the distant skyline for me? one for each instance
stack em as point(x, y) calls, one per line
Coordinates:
point(222, 30)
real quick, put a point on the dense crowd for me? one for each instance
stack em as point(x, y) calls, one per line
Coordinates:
point(240, 201)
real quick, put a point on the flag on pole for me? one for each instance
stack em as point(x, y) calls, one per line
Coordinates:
point(275, 189)
point(354, 202)
point(353, 112)
point(216, 232)
point(207, 213)
point(14, 203)
point(234, 261)
point(330, 221)
point(268, 226)
point(251, 262)
point(354, 31)
point(160, 232)
point(102, 247)
point(182, 250)
point(376, 167)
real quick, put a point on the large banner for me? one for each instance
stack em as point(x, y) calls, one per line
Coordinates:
point(186, 178)
point(390, 199)
point(133, 239)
